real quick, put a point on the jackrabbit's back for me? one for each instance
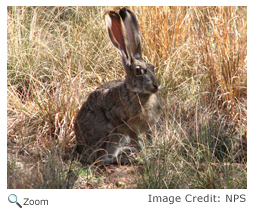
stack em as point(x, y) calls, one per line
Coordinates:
point(112, 105)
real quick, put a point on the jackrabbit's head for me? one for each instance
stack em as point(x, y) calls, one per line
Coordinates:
point(124, 34)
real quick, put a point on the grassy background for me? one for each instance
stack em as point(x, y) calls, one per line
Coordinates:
point(57, 55)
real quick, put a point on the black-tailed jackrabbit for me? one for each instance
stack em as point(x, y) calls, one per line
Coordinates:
point(108, 123)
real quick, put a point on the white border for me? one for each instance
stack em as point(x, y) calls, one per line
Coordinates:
point(123, 199)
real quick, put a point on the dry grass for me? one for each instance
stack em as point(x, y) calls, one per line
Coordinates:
point(58, 55)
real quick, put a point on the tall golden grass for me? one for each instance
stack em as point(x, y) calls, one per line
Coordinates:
point(57, 55)
point(207, 41)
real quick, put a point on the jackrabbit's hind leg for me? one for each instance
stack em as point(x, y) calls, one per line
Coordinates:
point(116, 150)
point(110, 149)
point(119, 155)
point(123, 155)
point(127, 155)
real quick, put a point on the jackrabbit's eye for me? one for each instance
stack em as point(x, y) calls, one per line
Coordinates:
point(138, 70)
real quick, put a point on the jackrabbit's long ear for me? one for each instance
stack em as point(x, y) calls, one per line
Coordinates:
point(131, 26)
point(117, 34)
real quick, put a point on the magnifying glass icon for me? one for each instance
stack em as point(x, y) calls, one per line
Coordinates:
point(13, 199)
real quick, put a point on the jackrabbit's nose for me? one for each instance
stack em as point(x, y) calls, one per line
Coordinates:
point(156, 87)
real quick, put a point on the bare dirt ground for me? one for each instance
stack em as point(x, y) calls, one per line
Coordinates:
point(113, 177)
